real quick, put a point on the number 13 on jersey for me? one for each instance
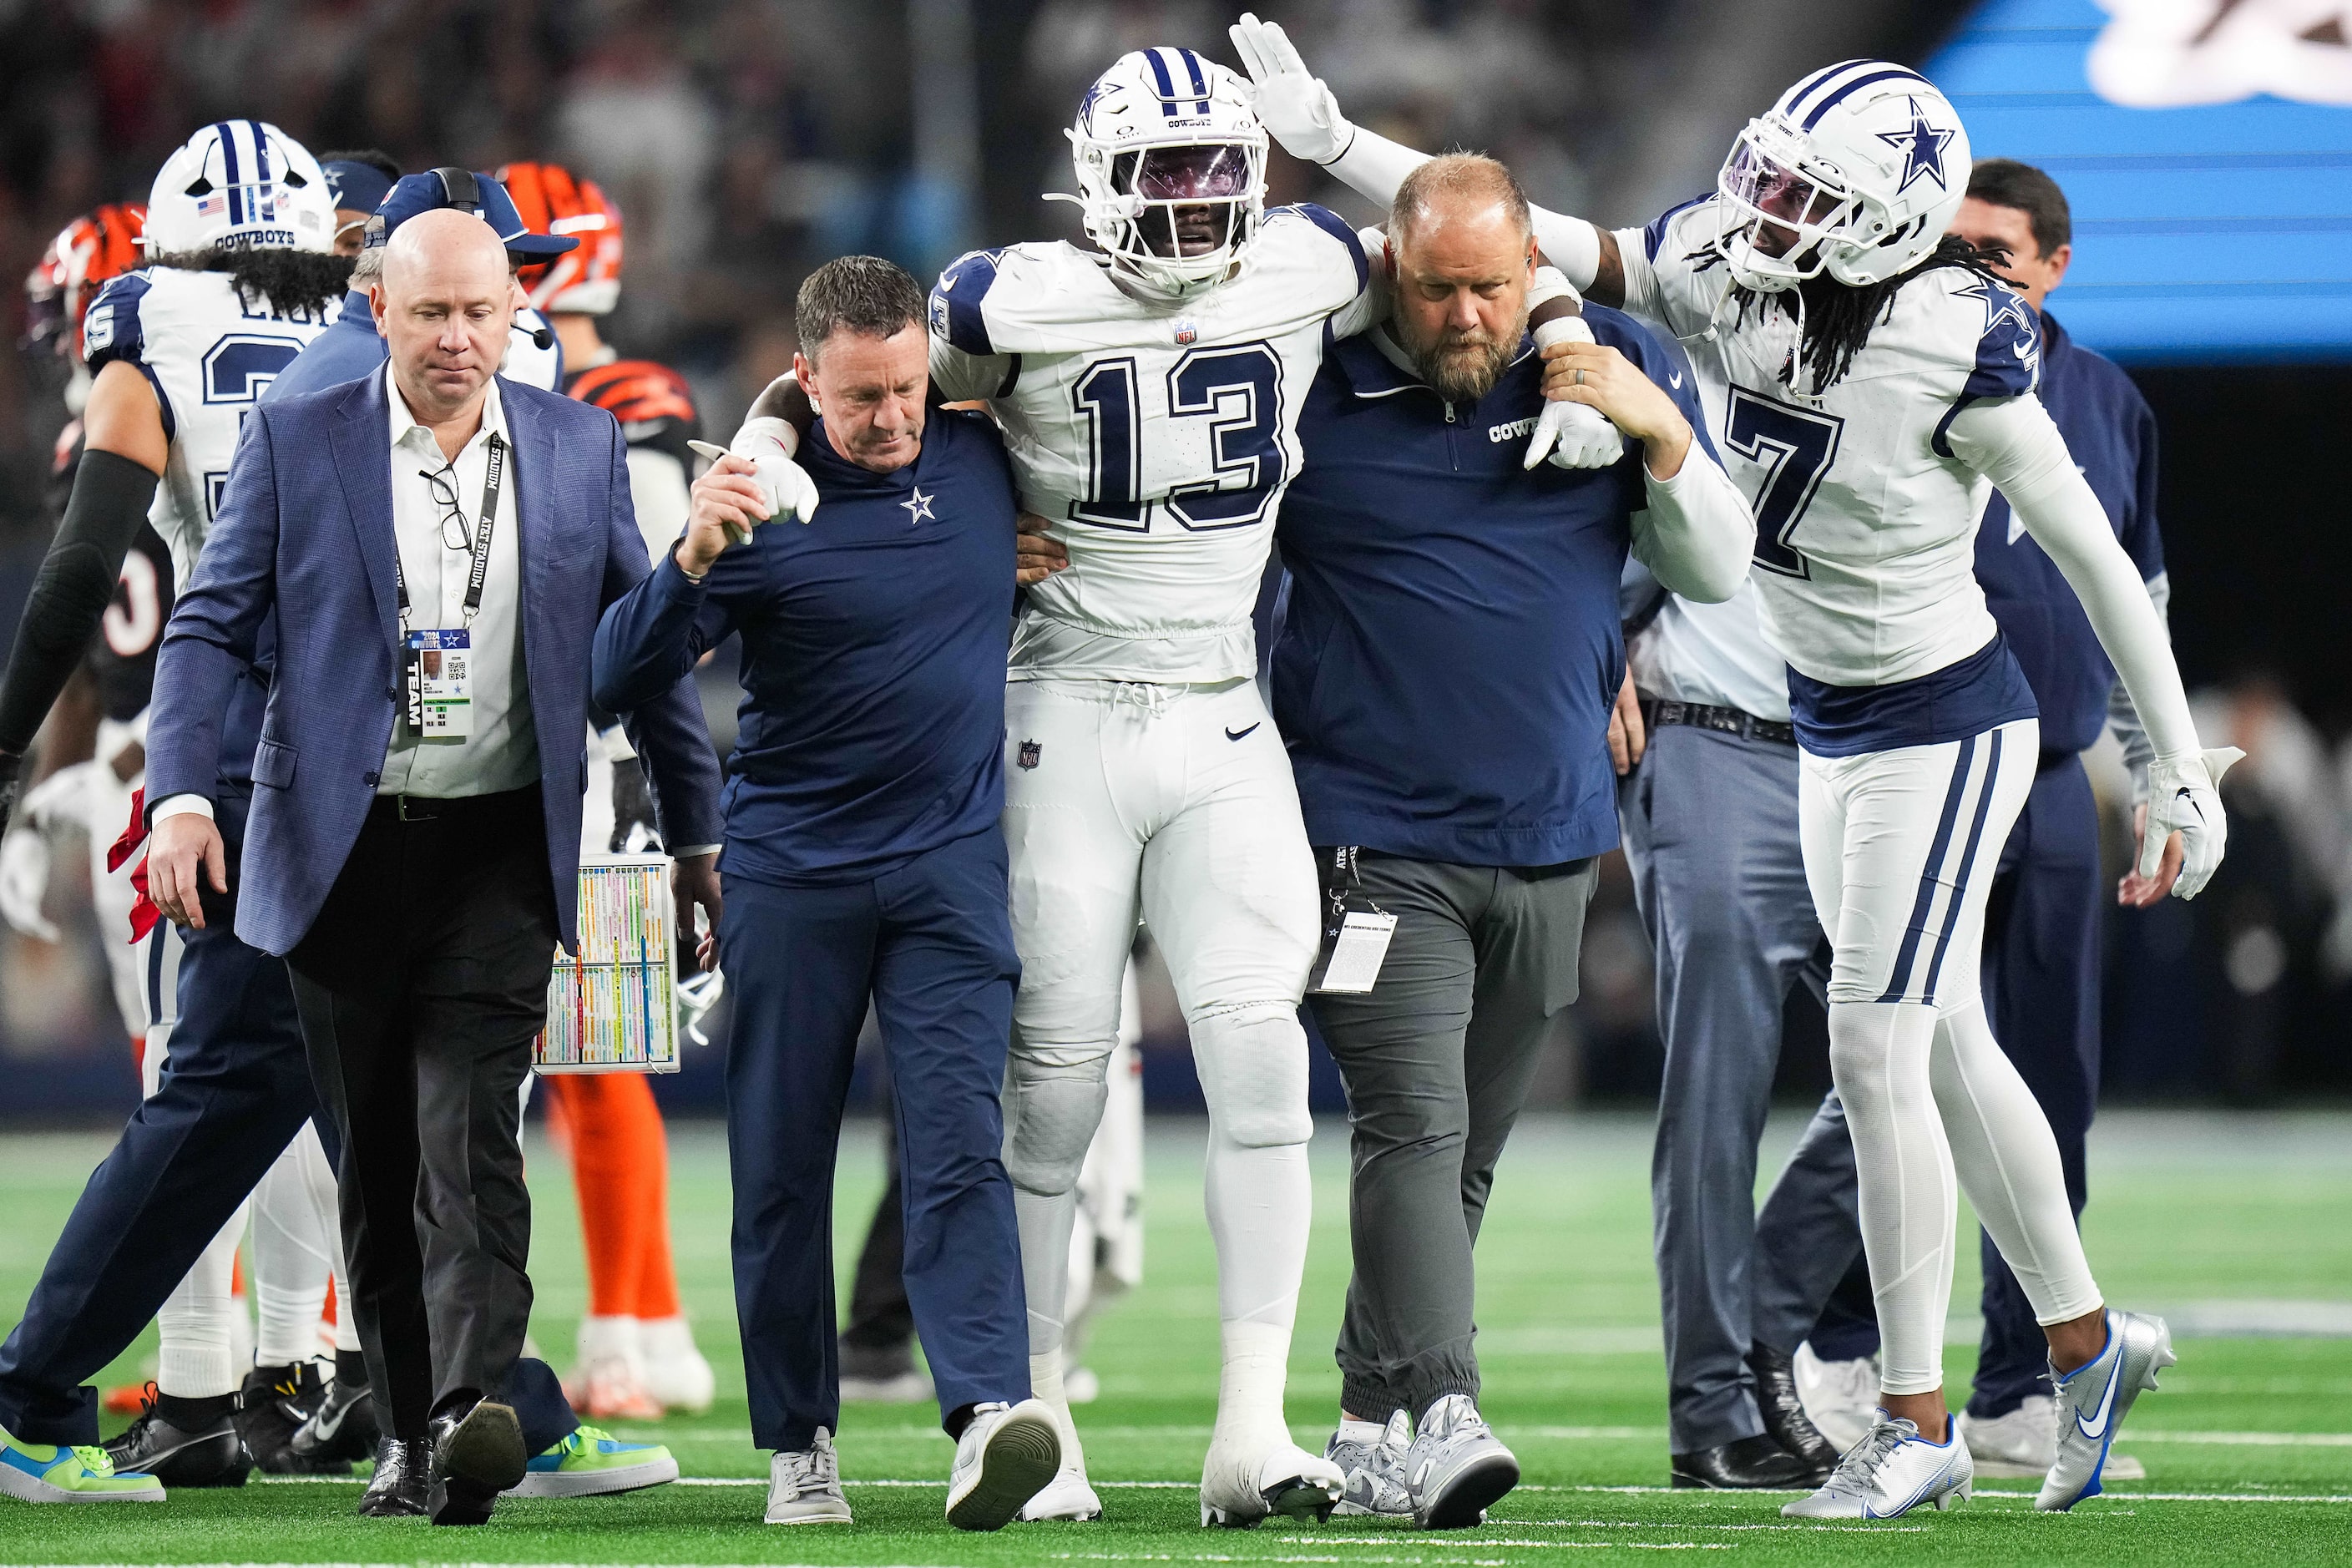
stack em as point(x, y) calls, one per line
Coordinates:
point(1215, 462)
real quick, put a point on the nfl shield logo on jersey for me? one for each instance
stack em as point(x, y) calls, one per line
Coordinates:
point(1187, 334)
point(1030, 750)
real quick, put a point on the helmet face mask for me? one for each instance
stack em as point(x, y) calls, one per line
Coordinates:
point(240, 184)
point(1856, 172)
point(1170, 161)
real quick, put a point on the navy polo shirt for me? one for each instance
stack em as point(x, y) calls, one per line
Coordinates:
point(1451, 651)
point(2112, 435)
point(873, 648)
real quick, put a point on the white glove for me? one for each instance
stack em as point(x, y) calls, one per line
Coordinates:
point(783, 484)
point(2181, 798)
point(1296, 109)
point(1573, 434)
point(25, 880)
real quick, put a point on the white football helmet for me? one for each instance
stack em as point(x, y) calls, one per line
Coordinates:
point(1161, 132)
point(240, 184)
point(1859, 168)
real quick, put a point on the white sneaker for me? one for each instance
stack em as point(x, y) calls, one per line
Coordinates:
point(2093, 1401)
point(804, 1487)
point(1456, 1466)
point(1007, 1454)
point(675, 1374)
point(1841, 1398)
point(1239, 1491)
point(1890, 1472)
point(1373, 1471)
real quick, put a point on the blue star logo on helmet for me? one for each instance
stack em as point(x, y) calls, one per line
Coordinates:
point(1923, 150)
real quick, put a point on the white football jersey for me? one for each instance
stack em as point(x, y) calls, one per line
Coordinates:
point(1157, 437)
point(208, 354)
point(1866, 522)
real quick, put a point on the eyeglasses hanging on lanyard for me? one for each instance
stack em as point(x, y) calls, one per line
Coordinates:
point(443, 486)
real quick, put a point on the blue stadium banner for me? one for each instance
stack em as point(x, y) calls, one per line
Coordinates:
point(2206, 147)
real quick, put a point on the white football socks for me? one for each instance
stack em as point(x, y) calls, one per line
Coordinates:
point(297, 1244)
point(197, 1324)
point(1260, 1203)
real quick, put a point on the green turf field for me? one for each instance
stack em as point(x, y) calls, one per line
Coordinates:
point(2242, 1222)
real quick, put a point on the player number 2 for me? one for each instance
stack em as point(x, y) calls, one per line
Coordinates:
point(1238, 388)
point(1794, 447)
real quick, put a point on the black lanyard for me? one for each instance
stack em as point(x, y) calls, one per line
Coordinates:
point(491, 480)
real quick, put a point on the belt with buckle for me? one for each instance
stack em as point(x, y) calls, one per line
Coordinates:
point(1730, 720)
point(461, 807)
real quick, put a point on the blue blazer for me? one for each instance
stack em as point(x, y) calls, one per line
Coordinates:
point(304, 528)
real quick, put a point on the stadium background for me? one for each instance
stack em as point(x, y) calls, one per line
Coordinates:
point(747, 140)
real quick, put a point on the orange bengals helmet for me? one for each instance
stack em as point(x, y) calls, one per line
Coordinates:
point(92, 248)
point(553, 200)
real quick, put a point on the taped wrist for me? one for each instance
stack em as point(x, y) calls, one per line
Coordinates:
point(110, 497)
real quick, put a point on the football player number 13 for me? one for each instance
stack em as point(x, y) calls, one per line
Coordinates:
point(1794, 447)
point(1238, 388)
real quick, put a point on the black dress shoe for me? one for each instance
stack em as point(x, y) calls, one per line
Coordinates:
point(477, 1453)
point(397, 1489)
point(1752, 1462)
point(206, 1454)
point(273, 1405)
point(1785, 1421)
point(342, 1430)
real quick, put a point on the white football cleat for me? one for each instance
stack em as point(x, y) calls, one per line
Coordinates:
point(1006, 1456)
point(609, 1383)
point(1285, 1479)
point(1068, 1498)
point(1890, 1472)
point(675, 1374)
point(1839, 1398)
point(2093, 1400)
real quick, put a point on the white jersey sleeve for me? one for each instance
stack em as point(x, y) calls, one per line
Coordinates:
point(208, 351)
point(1668, 281)
point(1156, 435)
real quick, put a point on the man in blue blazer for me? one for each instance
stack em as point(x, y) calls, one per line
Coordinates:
point(437, 543)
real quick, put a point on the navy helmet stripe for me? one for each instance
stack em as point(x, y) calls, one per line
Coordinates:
point(261, 174)
point(1795, 96)
point(1167, 83)
point(229, 170)
point(1968, 864)
point(1893, 73)
point(1199, 78)
point(1899, 979)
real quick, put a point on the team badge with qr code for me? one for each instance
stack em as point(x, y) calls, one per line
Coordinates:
point(1030, 751)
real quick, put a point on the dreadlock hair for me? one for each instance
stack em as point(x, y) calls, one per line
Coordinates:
point(1835, 319)
point(291, 282)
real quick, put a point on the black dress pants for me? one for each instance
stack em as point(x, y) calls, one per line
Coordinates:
point(420, 986)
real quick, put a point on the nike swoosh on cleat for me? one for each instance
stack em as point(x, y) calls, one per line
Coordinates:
point(1239, 735)
point(2095, 1429)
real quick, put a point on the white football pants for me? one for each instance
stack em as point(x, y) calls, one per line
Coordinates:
point(1176, 801)
point(1900, 851)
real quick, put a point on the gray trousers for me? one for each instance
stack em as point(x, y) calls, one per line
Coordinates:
point(1436, 1059)
point(1710, 829)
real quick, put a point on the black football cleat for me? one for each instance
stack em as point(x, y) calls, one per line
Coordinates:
point(212, 1455)
point(274, 1405)
point(396, 1490)
point(1785, 1421)
point(342, 1430)
point(477, 1453)
point(1756, 1464)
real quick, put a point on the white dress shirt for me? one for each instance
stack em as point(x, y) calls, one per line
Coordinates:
point(502, 753)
